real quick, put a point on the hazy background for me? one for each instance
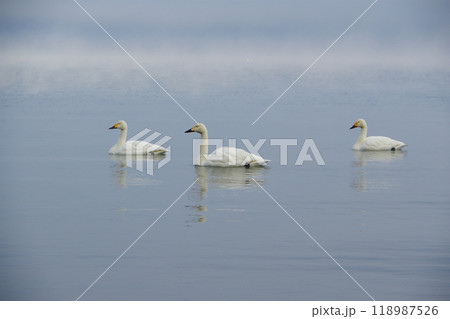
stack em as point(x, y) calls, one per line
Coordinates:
point(55, 43)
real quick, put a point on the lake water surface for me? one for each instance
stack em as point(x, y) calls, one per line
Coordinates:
point(69, 210)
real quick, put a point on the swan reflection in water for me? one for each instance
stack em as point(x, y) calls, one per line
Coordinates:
point(198, 217)
point(120, 172)
point(361, 181)
point(230, 178)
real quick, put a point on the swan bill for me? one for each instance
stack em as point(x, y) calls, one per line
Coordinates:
point(354, 125)
point(189, 131)
point(114, 126)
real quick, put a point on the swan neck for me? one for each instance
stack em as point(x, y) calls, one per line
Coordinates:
point(122, 137)
point(362, 137)
point(204, 147)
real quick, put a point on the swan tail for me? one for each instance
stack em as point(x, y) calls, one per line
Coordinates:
point(257, 163)
point(399, 147)
point(159, 151)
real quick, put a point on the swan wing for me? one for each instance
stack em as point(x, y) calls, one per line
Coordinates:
point(381, 143)
point(140, 148)
point(230, 156)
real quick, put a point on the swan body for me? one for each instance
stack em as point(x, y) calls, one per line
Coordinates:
point(231, 156)
point(374, 143)
point(124, 147)
point(224, 156)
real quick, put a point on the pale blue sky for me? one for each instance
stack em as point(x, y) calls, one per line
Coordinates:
point(60, 32)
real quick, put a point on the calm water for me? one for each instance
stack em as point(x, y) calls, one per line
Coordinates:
point(68, 209)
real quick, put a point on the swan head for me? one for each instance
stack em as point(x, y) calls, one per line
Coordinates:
point(121, 125)
point(199, 128)
point(359, 123)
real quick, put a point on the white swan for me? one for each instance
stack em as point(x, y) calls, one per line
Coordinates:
point(224, 156)
point(123, 146)
point(374, 143)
